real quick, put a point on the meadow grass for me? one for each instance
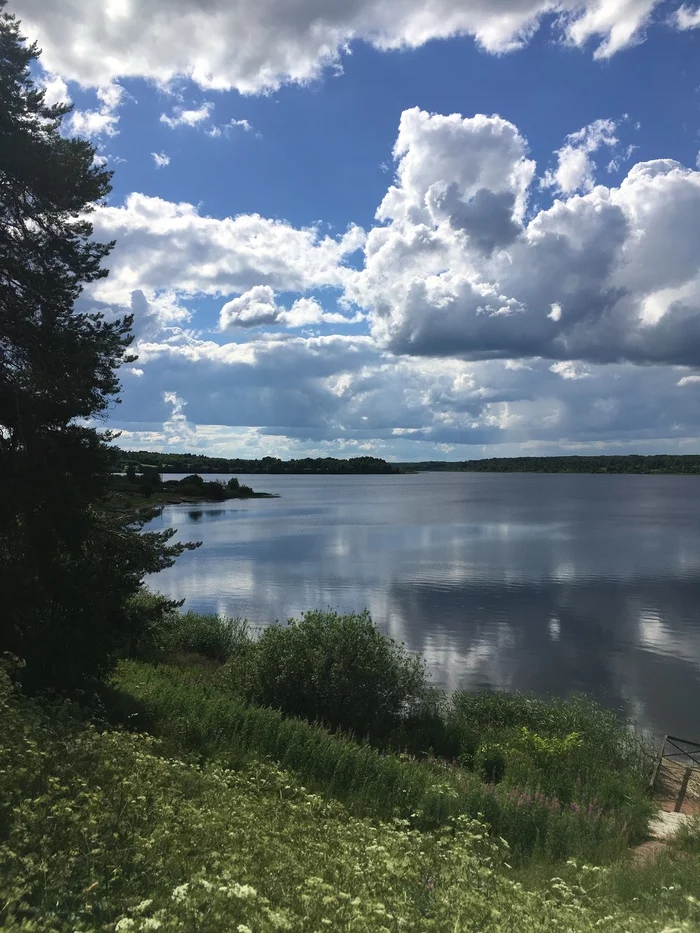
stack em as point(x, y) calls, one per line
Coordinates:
point(192, 713)
point(341, 671)
point(101, 831)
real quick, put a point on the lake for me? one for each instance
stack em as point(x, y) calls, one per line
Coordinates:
point(552, 583)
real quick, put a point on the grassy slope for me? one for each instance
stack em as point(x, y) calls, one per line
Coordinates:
point(99, 831)
point(190, 711)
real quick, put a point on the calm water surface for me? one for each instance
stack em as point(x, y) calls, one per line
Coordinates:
point(550, 583)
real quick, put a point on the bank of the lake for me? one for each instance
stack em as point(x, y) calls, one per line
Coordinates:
point(198, 803)
point(149, 490)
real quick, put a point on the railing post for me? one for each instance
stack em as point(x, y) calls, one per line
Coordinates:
point(652, 783)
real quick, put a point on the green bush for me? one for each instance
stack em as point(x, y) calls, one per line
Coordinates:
point(490, 762)
point(339, 670)
point(194, 479)
point(215, 491)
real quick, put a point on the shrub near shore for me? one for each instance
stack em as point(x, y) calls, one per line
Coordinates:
point(554, 777)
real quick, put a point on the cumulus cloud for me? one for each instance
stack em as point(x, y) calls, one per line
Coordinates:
point(252, 308)
point(254, 47)
point(575, 169)
point(607, 275)
point(160, 159)
point(103, 120)
point(167, 245)
point(155, 312)
point(258, 306)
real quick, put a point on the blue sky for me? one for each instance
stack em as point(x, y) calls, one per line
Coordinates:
point(443, 230)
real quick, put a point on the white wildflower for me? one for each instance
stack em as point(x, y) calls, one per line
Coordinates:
point(242, 890)
point(180, 892)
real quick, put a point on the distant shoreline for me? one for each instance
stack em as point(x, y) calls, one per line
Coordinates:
point(611, 464)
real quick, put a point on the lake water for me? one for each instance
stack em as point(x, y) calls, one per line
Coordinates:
point(551, 583)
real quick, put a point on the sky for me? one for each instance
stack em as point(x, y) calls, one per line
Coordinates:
point(417, 230)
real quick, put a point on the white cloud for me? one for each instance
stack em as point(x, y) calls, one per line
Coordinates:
point(160, 159)
point(226, 128)
point(688, 381)
point(568, 369)
point(305, 311)
point(202, 117)
point(193, 117)
point(55, 90)
point(156, 312)
point(447, 164)
point(252, 308)
point(575, 167)
point(618, 23)
point(459, 265)
point(253, 47)
point(177, 430)
point(164, 245)
point(103, 120)
point(459, 268)
point(687, 18)
point(258, 306)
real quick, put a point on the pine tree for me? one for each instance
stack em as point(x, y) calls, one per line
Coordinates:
point(67, 570)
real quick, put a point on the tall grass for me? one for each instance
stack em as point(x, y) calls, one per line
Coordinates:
point(215, 637)
point(190, 713)
point(565, 748)
point(164, 631)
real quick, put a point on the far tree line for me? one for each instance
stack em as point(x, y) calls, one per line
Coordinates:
point(199, 463)
point(144, 461)
point(628, 463)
